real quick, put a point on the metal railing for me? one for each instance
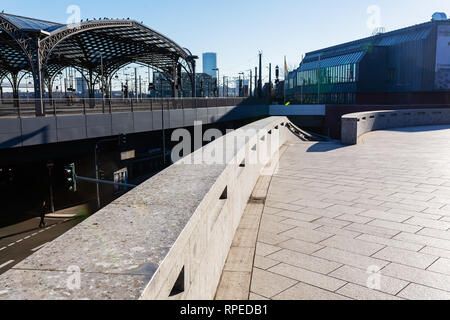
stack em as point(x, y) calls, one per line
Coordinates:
point(69, 106)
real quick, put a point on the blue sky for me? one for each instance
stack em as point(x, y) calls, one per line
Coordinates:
point(238, 29)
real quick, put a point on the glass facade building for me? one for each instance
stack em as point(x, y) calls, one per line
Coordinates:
point(210, 63)
point(402, 66)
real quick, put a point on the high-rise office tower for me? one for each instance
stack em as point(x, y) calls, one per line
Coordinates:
point(210, 63)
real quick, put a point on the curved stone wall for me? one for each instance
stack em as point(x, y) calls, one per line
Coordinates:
point(166, 239)
point(356, 125)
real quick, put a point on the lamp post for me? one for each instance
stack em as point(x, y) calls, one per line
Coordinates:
point(241, 84)
point(103, 80)
point(191, 58)
point(26, 82)
point(223, 85)
point(60, 74)
point(136, 93)
point(228, 94)
point(250, 89)
point(218, 80)
point(270, 80)
point(117, 78)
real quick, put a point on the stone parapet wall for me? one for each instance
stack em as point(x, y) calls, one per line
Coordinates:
point(356, 125)
point(166, 239)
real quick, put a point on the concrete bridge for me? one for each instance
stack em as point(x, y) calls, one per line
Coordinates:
point(64, 123)
point(262, 214)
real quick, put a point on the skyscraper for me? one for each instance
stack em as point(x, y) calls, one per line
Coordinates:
point(81, 85)
point(210, 63)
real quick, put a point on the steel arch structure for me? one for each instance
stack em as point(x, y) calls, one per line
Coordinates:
point(95, 48)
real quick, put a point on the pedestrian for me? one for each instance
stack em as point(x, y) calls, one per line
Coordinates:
point(43, 209)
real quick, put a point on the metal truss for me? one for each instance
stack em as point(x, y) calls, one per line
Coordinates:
point(86, 47)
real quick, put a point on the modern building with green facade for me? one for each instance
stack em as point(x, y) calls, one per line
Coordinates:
point(410, 65)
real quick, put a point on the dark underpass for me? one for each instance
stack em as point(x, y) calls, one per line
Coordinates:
point(33, 174)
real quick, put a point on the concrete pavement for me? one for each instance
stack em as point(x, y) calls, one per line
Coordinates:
point(362, 222)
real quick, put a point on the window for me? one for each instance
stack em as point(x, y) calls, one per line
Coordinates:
point(343, 74)
point(352, 72)
point(347, 73)
point(120, 176)
point(392, 74)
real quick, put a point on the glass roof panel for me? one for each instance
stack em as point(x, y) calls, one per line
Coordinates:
point(354, 57)
point(31, 24)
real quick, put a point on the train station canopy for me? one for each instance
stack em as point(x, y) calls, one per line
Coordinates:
point(96, 46)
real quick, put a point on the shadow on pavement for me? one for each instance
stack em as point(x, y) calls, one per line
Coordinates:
point(325, 147)
point(422, 128)
point(26, 229)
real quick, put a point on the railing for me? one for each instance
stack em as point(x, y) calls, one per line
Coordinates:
point(67, 106)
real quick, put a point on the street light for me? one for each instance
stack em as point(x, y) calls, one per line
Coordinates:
point(28, 82)
point(116, 77)
point(192, 59)
point(60, 74)
point(225, 85)
point(250, 89)
point(241, 84)
point(103, 80)
point(218, 80)
point(269, 89)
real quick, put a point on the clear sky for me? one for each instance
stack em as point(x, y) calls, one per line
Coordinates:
point(238, 29)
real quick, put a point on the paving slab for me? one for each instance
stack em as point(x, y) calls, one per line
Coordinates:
point(365, 222)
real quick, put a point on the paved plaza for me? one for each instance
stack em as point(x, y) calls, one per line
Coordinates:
point(370, 221)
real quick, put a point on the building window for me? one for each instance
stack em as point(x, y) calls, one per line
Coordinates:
point(391, 74)
point(352, 72)
point(347, 73)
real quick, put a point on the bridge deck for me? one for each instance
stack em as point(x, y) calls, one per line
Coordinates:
point(363, 222)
